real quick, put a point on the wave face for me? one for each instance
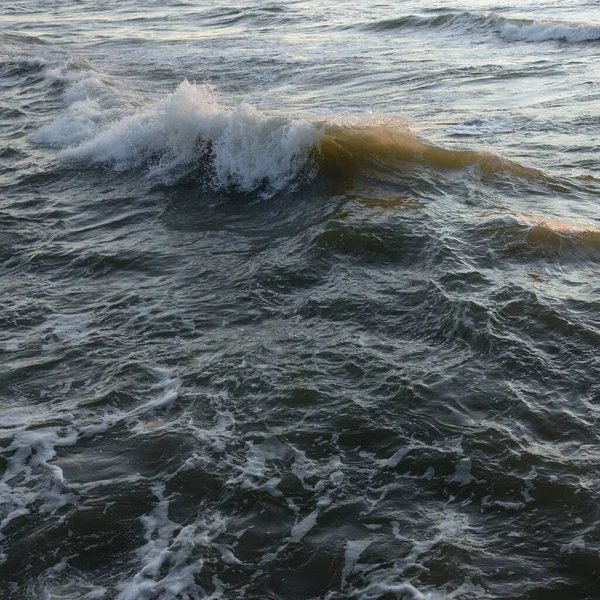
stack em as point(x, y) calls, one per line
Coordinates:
point(375, 141)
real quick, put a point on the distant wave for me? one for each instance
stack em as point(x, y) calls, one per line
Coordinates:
point(13, 39)
point(517, 30)
point(240, 147)
point(541, 31)
point(20, 50)
point(414, 21)
point(259, 16)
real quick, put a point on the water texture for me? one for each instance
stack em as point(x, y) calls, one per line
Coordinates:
point(300, 300)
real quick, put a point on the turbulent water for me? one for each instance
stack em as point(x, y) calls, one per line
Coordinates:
point(299, 300)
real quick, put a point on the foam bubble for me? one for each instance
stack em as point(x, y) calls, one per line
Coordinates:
point(575, 545)
point(170, 546)
point(254, 474)
point(393, 461)
point(396, 590)
point(11, 345)
point(462, 476)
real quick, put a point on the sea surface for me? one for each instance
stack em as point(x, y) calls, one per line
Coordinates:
point(299, 300)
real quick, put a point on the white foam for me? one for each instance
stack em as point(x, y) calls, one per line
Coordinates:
point(78, 124)
point(29, 482)
point(62, 582)
point(169, 561)
point(91, 102)
point(255, 474)
point(397, 590)
point(529, 485)
point(11, 345)
point(577, 544)
point(392, 581)
point(393, 461)
point(300, 529)
point(243, 147)
point(452, 525)
point(541, 31)
point(354, 548)
point(163, 396)
point(64, 329)
point(168, 385)
point(166, 544)
point(462, 476)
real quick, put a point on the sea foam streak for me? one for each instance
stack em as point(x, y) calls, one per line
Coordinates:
point(541, 31)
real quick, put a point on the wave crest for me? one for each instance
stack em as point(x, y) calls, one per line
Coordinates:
point(542, 31)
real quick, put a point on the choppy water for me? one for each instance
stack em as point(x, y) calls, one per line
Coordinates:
point(299, 300)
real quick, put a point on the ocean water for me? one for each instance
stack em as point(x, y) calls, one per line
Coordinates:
point(300, 300)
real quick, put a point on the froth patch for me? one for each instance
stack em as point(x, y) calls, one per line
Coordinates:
point(29, 482)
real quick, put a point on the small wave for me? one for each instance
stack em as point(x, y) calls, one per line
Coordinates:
point(255, 15)
point(530, 236)
point(21, 54)
point(12, 153)
point(564, 237)
point(13, 39)
point(542, 31)
point(439, 21)
point(411, 21)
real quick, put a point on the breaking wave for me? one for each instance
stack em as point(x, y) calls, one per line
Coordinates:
point(514, 30)
point(244, 147)
point(241, 147)
point(542, 31)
